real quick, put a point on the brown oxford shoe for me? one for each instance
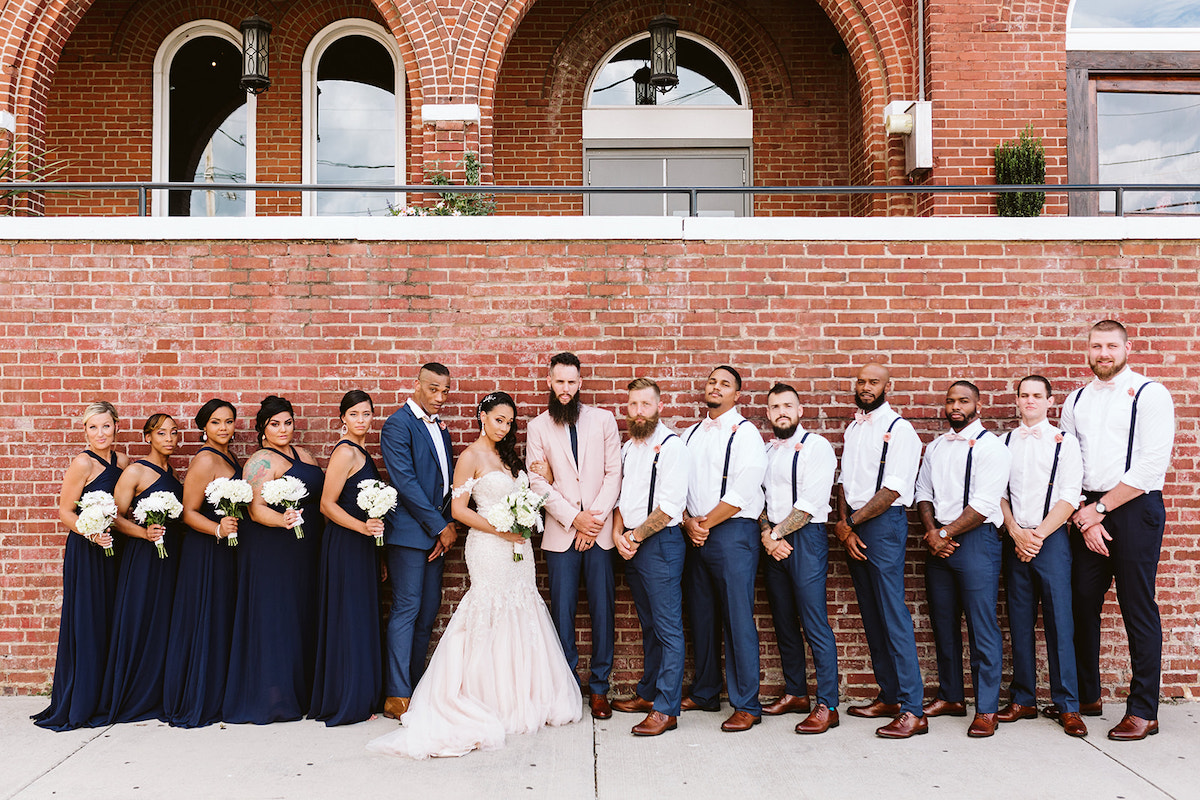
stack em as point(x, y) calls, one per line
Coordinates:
point(983, 726)
point(820, 720)
point(876, 708)
point(740, 721)
point(634, 705)
point(654, 724)
point(944, 708)
point(394, 707)
point(1085, 710)
point(787, 704)
point(1132, 729)
point(1015, 711)
point(902, 727)
point(689, 704)
point(1072, 724)
point(600, 707)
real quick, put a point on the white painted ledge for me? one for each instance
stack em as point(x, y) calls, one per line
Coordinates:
point(505, 228)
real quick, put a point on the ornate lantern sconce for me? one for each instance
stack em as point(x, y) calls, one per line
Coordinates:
point(664, 73)
point(256, 38)
point(643, 92)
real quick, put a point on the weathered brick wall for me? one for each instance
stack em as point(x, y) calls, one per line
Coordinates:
point(162, 326)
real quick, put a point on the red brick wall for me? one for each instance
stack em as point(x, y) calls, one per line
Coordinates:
point(164, 325)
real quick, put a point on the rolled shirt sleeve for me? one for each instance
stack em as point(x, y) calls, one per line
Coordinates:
point(903, 459)
point(747, 467)
point(1152, 441)
point(816, 480)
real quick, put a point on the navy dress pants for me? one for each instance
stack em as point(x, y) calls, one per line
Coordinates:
point(594, 567)
point(655, 575)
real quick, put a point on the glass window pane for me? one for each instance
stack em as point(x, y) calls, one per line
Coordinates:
point(704, 80)
point(223, 161)
point(356, 125)
point(1126, 14)
point(1149, 138)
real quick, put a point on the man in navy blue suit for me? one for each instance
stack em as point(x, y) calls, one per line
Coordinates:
point(420, 464)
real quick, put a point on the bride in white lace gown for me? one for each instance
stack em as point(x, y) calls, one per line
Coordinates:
point(499, 667)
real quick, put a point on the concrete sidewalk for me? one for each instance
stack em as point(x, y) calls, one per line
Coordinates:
point(601, 760)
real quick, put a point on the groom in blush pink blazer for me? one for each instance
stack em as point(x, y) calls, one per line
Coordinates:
point(582, 447)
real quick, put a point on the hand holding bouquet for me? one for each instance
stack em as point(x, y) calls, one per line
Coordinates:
point(518, 512)
point(286, 492)
point(229, 496)
point(97, 510)
point(377, 499)
point(156, 509)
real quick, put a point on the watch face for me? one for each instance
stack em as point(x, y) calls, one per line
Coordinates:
point(942, 533)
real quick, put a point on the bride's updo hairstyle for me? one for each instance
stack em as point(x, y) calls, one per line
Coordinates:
point(272, 405)
point(506, 447)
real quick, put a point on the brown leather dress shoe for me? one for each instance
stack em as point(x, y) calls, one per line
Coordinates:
point(876, 708)
point(600, 707)
point(1072, 724)
point(820, 720)
point(787, 704)
point(944, 708)
point(1015, 711)
point(1132, 729)
point(654, 724)
point(1085, 710)
point(689, 704)
point(740, 721)
point(394, 707)
point(902, 727)
point(983, 726)
point(634, 705)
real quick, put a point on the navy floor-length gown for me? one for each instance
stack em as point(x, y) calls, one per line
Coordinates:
point(348, 683)
point(275, 625)
point(89, 585)
point(137, 653)
point(201, 623)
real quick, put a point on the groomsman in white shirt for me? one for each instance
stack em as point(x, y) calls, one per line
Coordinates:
point(800, 467)
point(724, 500)
point(650, 539)
point(958, 492)
point(1044, 485)
point(1126, 428)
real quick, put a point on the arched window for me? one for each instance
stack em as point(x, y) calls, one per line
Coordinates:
point(353, 117)
point(698, 134)
point(203, 128)
point(1133, 102)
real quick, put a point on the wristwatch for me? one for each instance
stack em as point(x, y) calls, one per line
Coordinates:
point(1101, 508)
point(942, 534)
point(629, 537)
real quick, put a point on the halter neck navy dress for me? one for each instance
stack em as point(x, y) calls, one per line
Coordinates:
point(201, 622)
point(133, 679)
point(349, 681)
point(89, 584)
point(275, 623)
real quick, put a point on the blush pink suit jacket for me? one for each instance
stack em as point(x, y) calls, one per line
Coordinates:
point(599, 485)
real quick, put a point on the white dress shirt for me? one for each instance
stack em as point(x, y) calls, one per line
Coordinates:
point(435, 433)
point(815, 464)
point(1032, 452)
point(747, 465)
point(861, 453)
point(940, 479)
point(1099, 414)
point(670, 483)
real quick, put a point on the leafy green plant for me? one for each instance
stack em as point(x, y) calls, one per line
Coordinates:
point(455, 204)
point(1022, 162)
point(16, 166)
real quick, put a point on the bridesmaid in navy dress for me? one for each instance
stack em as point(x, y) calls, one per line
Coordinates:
point(349, 681)
point(133, 678)
point(202, 618)
point(275, 624)
point(89, 580)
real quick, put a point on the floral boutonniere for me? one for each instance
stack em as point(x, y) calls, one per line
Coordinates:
point(657, 448)
point(799, 445)
point(441, 425)
point(1058, 438)
point(1132, 393)
point(887, 437)
point(971, 443)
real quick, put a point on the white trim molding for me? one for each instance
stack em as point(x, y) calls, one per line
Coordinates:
point(1124, 40)
point(450, 112)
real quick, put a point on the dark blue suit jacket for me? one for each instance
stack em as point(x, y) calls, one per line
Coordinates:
point(412, 465)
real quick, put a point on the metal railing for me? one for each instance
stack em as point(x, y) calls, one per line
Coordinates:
point(144, 188)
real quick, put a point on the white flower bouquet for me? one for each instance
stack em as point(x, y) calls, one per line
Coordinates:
point(97, 510)
point(229, 496)
point(286, 492)
point(518, 512)
point(156, 509)
point(377, 499)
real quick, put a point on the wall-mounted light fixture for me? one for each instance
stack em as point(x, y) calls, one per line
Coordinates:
point(256, 39)
point(664, 69)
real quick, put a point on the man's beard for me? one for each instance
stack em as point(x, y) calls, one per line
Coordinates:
point(1107, 372)
point(564, 413)
point(642, 430)
point(868, 408)
point(785, 433)
point(958, 426)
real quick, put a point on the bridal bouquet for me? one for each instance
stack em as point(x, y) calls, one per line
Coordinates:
point(156, 509)
point(97, 510)
point(229, 496)
point(286, 492)
point(377, 499)
point(517, 512)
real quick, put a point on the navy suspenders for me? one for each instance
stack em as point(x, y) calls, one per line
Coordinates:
point(728, 451)
point(654, 474)
point(883, 455)
point(967, 478)
point(1132, 421)
point(795, 463)
point(1053, 473)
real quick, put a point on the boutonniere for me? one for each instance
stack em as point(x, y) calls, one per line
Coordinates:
point(1058, 438)
point(657, 448)
point(441, 425)
point(798, 446)
point(971, 443)
point(1132, 393)
point(887, 437)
